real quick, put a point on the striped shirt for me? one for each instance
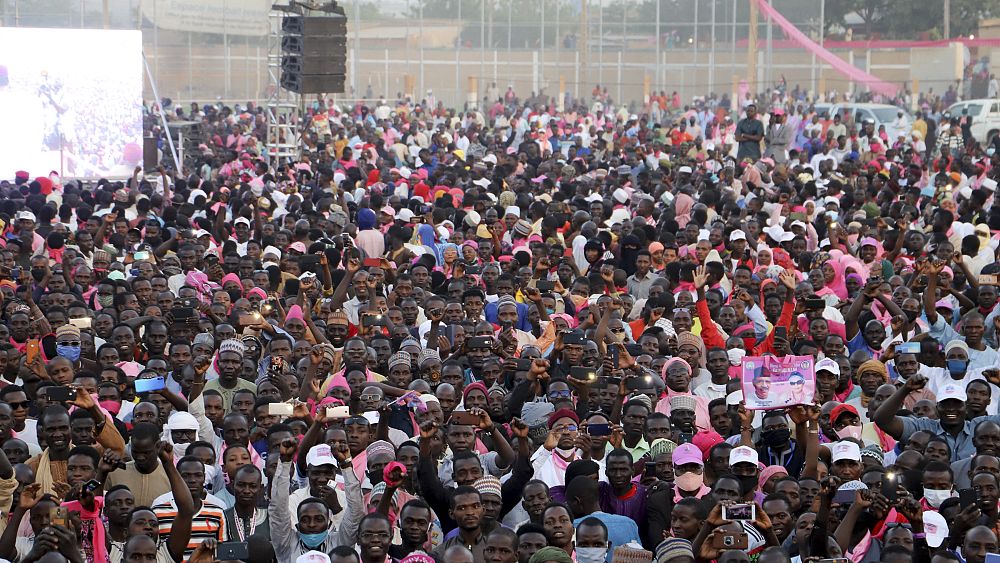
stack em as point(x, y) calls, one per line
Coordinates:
point(209, 522)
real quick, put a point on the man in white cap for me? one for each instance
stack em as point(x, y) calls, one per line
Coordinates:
point(846, 458)
point(745, 465)
point(312, 528)
point(951, 424)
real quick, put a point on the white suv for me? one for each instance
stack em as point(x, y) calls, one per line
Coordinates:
point(985, 115)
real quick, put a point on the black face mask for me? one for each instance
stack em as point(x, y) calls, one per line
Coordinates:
point(911, 315)
point(38, 274)
point(775, 438)
point(748, 483)
point(234, 294)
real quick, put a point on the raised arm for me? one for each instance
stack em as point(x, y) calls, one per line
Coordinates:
point(886, 417)
point(180, 532)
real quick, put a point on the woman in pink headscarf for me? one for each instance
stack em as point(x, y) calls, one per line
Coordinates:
point(683, 204)
point(676, 375)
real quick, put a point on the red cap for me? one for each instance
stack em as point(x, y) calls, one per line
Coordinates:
point(841, 409)
point(706, 440)
point(563, 413)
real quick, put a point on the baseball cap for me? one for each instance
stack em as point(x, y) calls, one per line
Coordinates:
point(845, 450)
point(737, 235)
point(298, 246)
point(841, 409)
point(826, 364)
point(313, 557)
point(243, 220)
point(743, 454)
point(405, 215)
point(320, 454)
point(25, 216)
point(951, 391)
point(684, 170)
point(687, 453)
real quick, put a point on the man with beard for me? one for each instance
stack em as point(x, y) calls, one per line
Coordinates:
point(415, 522)
point(230, 362)
point(466, 509)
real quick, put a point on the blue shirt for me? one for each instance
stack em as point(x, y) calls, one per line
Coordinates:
point(621, 529)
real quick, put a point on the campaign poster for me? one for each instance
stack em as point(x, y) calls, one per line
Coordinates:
point(770, 382)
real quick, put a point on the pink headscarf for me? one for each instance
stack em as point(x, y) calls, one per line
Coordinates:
point(570, 321)
point(294, 312)
point(232, 278)
point(768, 472)
point(199, 281)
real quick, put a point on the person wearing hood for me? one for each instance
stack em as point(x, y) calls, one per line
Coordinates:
point(369, 238)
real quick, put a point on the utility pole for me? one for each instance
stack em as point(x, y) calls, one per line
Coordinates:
point(947, 19)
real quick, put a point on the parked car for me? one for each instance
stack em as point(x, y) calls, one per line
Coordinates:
point(881, 114)
point(985, 115)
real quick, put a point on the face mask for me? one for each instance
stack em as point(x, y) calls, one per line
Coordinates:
point(689, 482)
point(935, 497)
point(911, 315)
point(234, 295)
point(591, 554)
point(180, 450)
point(312, 541)
point(71, 353)
point(566, 453)
point(990, 151)
point(38, 274)
point(113, 407)
point(849, 432)
point(748, 483)
point(957, 367)
point(775, 438)
point(106, 300)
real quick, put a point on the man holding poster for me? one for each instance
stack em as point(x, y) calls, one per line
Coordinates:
point(770, 382)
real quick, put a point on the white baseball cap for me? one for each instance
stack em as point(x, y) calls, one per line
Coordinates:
point(320, 454)
point(845, 450)
point(743, 454)
point(313, 557)
point(826, 364)
point(737, 235)
point(951, 391)
point(684, 170)
point(404, 215)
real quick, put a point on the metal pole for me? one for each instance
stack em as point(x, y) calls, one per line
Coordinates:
point(541, 45)
point(163, 116)
point(482, 45)
point(732, 47)
point(558, 43)
point(822, 24)
point(357, 48)
point(770, 53)
point(711, 54)
point(947, 19)
point(696, 20)
point(659, 40)
point(600, 44)
point(416, 95)
point(458, 46)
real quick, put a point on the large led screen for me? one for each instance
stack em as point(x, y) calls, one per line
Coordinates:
point(70, 102)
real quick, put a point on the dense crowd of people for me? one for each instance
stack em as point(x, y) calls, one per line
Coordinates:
point(508, 335)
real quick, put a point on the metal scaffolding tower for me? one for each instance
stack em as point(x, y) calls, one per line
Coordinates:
point(284, 108)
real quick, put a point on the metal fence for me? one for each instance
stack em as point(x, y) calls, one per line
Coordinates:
point(460, 51)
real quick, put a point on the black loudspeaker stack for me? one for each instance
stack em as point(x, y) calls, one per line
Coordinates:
point(314, 53)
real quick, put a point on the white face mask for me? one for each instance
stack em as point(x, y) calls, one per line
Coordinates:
point(935, 497)
point(591, 554)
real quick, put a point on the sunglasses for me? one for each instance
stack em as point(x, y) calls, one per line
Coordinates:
point(797, 383)
point(560, 394)
point(73, 343)
point(371, 398)
point(21, 405)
